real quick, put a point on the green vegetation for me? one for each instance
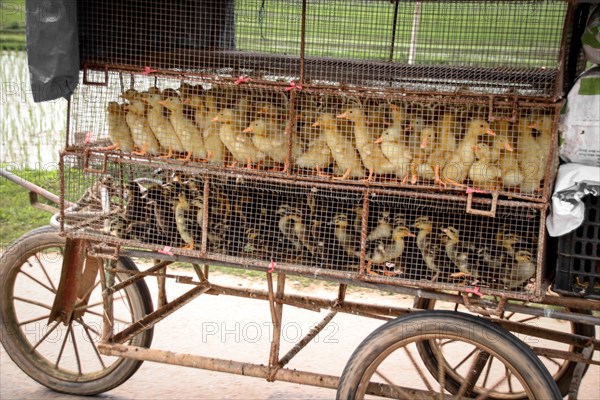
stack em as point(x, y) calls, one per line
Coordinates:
point(509, 34)
point(16, 215)
point(12, 24)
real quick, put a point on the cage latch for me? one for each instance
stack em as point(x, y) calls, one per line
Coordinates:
point(485, 213)
point(93, 170)
point(494, 103)
point(87, 81)
point(481, 309)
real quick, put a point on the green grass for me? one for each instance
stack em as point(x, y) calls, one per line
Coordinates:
point(12, 25)
point(16, 214)
point(510, 34)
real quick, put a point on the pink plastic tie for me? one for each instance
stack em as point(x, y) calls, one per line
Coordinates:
point(242, 79)
point(272, 266)
point(147, 70)
point(474, 291)
point(471, 190)
point(167, 250)
point(293, 85)
point(89, 135)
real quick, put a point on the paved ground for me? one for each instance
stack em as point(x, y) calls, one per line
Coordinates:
point(202, 326)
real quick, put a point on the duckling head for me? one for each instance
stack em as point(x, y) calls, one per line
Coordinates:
point(225, 116)
point(423, 223)
point(400, 232)
point(172, 103)
point(479, 127)
point(482, 151)
point(114, 108)
point(510, 239)
point(340, 220)
point(130, 94)
point(353, 114)
point(452, 233)
point(523, 256)
point(389, 135)
point(502, 143)
point(325, 120)
point(258, 126)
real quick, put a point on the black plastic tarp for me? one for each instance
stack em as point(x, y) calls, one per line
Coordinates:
point(52, 48)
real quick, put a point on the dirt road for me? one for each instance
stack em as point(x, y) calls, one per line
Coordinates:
point(203, 327)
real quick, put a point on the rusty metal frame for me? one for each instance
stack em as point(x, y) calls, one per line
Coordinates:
point(276, 299)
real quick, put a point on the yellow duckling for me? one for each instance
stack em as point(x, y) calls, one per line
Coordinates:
point(268, 138)
point(216, 152)
point(118, 130)
point(445, 146)
point(348, 239)
point(534, 152)
point(341, 148)
point(484, 172)
point(531, 159)
point(397, 153)
point(238, 143)
point(142, 135)
point(389, 250)
point(428, 245)
point(161, 126)
point(370, 153)
point(185, 129)
point(517, 271)
point(426, 147)
point(317, 155)
point(457, 168)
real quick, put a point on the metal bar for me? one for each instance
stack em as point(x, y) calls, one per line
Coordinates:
point(428, 289)
point(161, 281)
point(32, 187)
point(302, 41)
point(363, 234)
point(159, 314)
point(136, 276)
point(565, 355)
point(276, 318)
point(205, 211)
point(578, 373)
point(393, 38)
point(107, 303)
point(242, 368)
point(314, 331)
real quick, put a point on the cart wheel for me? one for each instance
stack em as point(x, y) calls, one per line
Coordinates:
point(63, 358)
point(560, 369)
point(388, 359)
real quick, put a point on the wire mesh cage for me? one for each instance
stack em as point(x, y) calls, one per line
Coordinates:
point(440, 143)
point(401, 238)
point(500, 47)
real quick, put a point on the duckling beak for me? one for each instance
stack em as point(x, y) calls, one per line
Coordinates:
point(475, 148)
point(489, 131)
point(379, 140)
point(316, 124)
point(163, 103)
point(215, 118)
point(508, 147)
point(424, 143)
point(410, 234)
point(344, 115)
point(535, 125)
point(248, 130)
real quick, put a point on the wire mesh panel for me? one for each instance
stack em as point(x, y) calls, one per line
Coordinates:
point(500, 47)
point(442, 143)
point(400, 238)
